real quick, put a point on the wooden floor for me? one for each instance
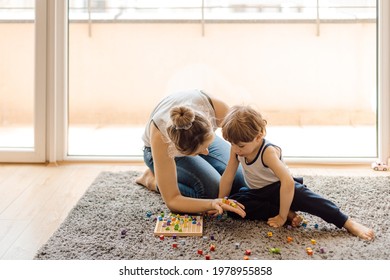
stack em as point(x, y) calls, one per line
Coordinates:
point(35, 198)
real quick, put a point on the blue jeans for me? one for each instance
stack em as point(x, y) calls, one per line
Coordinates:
point(199, 176)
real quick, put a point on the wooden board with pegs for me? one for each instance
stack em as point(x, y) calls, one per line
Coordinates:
point(179, 225)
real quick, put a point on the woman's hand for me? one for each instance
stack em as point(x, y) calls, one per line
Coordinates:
point(222, 204)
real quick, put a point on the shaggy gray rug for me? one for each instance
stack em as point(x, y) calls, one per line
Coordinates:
point(110, 222)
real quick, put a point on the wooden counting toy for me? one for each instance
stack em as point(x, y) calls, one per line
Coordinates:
point(180, 225)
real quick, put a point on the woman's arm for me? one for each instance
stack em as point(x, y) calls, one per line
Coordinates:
point(221, 109)
point(166, 178)
point(271, 158)
point(225, 185)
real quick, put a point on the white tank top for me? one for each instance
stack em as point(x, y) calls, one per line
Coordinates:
point(256, 173)
point(195, 99)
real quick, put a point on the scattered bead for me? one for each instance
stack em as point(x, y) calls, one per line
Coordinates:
point(161, 237)
point(309, 251)
point(174, 245)
point(123, 233)
point(207, 257)
point(269, 234)
point(313, 241)
point(248, 252)
point(246, 258)
point(200, 252)
point(212, 247)
point(316, 226)
point(322, 250)
point(289, 239)
point(237, 245)
point(275, 250)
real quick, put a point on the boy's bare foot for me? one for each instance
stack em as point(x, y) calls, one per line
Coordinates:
point(294, 219)
point(147, 180)
point(359, 230)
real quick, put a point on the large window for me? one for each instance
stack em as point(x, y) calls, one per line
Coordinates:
point(310, 66)
point(78, 78)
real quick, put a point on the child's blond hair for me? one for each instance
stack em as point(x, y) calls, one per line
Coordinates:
point(242, 124)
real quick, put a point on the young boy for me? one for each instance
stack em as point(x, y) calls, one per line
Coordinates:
point(273, 194)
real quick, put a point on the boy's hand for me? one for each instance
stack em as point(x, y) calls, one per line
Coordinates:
point(276, 221)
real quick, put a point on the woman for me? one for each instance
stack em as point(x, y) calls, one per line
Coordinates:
point(185, 158)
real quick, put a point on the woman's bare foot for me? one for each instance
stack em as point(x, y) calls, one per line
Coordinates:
point(359, 230)
point(294, 219)
point(147, 180)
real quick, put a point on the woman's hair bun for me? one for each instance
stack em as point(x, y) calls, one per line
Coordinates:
point(182, 117)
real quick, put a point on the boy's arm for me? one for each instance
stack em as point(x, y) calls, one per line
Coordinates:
point(227, 178)
point(272, 160)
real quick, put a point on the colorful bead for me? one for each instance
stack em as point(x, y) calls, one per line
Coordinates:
point(123, 233)
point(275, 250)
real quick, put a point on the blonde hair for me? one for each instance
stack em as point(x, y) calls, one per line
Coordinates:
point(188, 130)
point(242, 124)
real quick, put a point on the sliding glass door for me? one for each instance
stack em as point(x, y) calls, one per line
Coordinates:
point(309, 66)
point(22, 80)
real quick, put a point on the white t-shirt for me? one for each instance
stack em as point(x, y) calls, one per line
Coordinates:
point(257, 174)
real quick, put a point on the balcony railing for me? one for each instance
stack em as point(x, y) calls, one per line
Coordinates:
point(210, 10)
